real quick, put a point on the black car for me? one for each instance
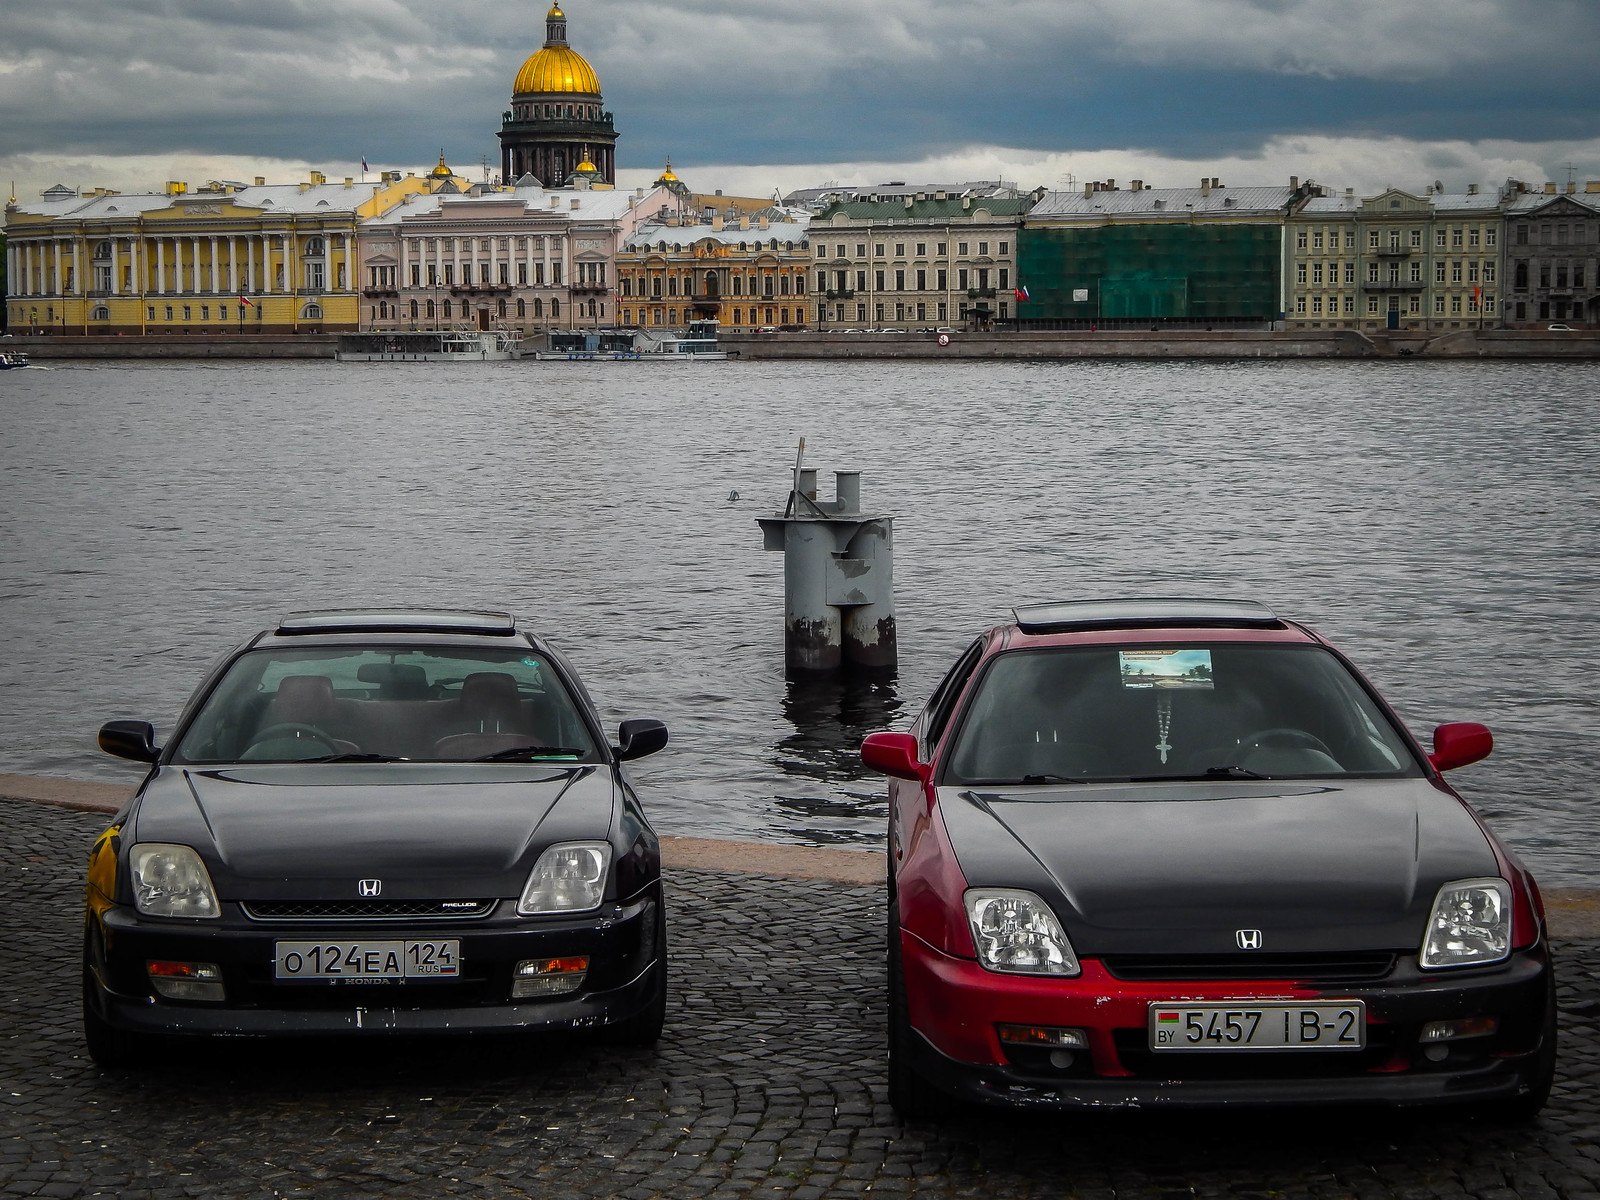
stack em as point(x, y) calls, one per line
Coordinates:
point(374, 822)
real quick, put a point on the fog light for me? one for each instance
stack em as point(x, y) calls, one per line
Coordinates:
point(1062, 1059)
point(1454, 1031)
point(1044, 1035)
point(536, 977)
point(186, 980)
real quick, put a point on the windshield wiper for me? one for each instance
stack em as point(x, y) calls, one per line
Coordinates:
point(354, 757)
point(529, 752)
point(1208, 773)
point(1050, 779)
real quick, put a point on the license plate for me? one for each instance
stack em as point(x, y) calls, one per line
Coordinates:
point(1271, 1026)
point(369, 960)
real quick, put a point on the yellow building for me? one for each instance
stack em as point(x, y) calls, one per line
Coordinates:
point(223, 258)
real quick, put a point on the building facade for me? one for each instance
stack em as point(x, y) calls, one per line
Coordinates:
point(1395, 261)
point(557, 120)
point(523, 259)
point(1137, 256)
point(915, 259)
point(746, 272)
point(1552, 257)
point(223, 258)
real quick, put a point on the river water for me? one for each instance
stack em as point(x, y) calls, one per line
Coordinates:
point(1438, 520)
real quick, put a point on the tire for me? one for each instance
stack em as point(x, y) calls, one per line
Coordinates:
point(644, 1027)
point(911, 1096)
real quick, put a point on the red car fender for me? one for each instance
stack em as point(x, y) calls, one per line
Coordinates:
point(929, 884)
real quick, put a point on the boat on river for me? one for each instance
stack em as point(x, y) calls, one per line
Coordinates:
point(698, 343)
point(11, 360)
point(427, 345)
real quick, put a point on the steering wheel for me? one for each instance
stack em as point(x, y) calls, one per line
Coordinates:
point(294, 729)
point(1286, 739)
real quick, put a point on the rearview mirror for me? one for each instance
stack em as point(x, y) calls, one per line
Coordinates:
point(130, 739)
point(1460, 743)
point(893, 754)
point(638, 737)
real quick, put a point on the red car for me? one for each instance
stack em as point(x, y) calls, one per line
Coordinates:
point(1180, 852)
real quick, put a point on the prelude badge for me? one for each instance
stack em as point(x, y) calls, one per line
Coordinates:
point(369, 888)
point(1248, 939)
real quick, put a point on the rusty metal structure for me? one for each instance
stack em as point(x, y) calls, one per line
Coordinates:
point(838, 576)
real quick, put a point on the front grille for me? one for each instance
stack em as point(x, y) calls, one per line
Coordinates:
point(1365, 967)
point(367, 910)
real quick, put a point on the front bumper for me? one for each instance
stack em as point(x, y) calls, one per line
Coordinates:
point(955, 1006)
point(622, 943)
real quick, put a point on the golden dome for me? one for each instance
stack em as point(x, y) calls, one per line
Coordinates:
point(441, 171)
point(557, 67)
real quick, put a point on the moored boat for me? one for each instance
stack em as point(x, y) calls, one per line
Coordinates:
point(10, 360)
point(697, 344)
point(427, 345)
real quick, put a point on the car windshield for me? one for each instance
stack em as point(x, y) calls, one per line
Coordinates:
point(1226, 710)
point(378, 703)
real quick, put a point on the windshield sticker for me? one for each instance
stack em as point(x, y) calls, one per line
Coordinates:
point(1165, 668)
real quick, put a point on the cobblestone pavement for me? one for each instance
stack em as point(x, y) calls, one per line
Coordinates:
point(769, 1082)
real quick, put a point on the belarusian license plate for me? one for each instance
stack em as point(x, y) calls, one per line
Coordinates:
point(369, 960)
point(1268, 1026)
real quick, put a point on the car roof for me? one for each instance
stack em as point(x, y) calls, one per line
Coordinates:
point(1148, 618)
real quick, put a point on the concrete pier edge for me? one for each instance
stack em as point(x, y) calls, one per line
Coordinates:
point(1573, 912)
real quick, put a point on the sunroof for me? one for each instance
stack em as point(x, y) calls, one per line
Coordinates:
point(399, 620)
point(1144, 612)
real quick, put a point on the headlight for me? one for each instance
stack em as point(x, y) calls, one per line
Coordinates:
point(1470, 924)
point(570, 877)
point(171, 881)
point(1016, 932)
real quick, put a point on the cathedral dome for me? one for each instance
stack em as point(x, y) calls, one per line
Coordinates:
point(557, 68)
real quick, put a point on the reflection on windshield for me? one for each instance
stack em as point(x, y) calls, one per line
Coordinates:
point(376, 704)
point(1221, 711)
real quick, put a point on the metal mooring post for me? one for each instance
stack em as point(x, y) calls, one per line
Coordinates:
point(838, 575)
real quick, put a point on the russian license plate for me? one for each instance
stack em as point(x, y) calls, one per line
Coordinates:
point(1268, 1026)
point(369, 960)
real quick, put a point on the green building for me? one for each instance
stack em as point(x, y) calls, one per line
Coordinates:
point(1120, 256)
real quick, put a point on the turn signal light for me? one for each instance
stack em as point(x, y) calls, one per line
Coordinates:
point(1453, 1031)
point(186, 980)
point(1053, 1036)
point(535, 977)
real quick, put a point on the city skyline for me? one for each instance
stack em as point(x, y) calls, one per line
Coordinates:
point(1053, 93)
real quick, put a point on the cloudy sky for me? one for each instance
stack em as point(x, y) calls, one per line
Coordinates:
point(756, 95)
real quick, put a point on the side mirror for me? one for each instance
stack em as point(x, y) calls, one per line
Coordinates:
point(130, 739)
point(638, 737)
point(893, 754)
point(1460, 743)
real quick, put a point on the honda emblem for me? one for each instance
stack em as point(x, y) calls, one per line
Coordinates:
point(373, 887)
point(1248, 939)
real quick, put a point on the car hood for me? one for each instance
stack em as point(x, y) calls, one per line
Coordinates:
point(1181, 867)
point(427, 831)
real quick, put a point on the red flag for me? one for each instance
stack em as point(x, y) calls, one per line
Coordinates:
point(242, 300)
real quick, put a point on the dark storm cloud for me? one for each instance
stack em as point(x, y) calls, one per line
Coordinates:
point(828, 80)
